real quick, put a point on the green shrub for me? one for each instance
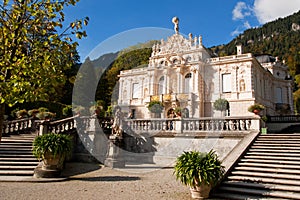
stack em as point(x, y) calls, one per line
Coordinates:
point(194, 168)
point(56, 144)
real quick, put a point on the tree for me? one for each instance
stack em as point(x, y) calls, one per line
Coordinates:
point(221, 105)
point(35, 49)
point(83, 92)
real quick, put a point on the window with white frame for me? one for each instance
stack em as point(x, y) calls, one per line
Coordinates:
point(278, 92)
point(187, 82)
point(136, 91)
point(161, 83)
point(226, 83)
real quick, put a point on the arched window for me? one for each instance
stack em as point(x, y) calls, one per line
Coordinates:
point(161, 83)
point(187, 83)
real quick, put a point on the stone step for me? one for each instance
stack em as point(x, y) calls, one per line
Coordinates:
point(18, 156)
point(267, 165)
point(266, 175)
point(270, 135)
point(270, 170)
point(281, 154)
point(272, 157)
point(16, 172)
point(23, 141)
point(278, 142)
point(263, 192)
point(17, 163)
point(275, 147)
point(9, 148)
point(274, 150)
point(276, 139)
point(19, 167)
point(233, 196)
point(21, 159)
point(16, 152)
point(265, 180)
point(283, 162)
point(262, 186)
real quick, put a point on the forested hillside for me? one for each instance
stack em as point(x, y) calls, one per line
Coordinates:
point(131, 57)
point(280, 38)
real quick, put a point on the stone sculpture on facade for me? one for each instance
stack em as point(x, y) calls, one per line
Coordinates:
point(175, 21)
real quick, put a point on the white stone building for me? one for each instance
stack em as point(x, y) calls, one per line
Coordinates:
point(181, 73)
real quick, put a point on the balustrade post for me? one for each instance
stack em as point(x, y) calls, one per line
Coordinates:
point(44, 127)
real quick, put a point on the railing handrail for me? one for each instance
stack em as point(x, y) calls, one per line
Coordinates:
point(283, 119)
point(18, 125)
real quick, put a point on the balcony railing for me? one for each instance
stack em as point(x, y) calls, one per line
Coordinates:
point(193, 125)
point(18, 126)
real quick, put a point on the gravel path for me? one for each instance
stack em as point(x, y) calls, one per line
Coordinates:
point(91, 181)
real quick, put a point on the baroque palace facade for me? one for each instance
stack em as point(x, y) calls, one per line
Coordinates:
point(182, 73)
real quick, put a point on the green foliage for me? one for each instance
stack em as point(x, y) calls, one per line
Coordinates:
point(107, 89)
point(221, 104)
point(42, 106)
point(193, 168)
point(178, 110)
point(256, 106)
point(22, 113)
point(35, 49)
point(85, 86)
point(67, 111)
point(276, 38)
point(155, 106)
point(45, 115)
point(56, 144)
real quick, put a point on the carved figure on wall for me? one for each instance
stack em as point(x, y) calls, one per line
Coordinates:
point(117, 127)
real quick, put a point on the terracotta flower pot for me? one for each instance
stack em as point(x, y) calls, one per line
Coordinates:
point(51, 162)
point(200, 192)
point(256, 111)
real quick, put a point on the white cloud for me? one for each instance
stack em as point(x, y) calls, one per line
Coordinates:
point(235, 32)
point(240, 29)
point(240, 11)
point(269, 10)
point(247, 25)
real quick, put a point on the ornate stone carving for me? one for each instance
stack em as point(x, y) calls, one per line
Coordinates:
point(175, 21)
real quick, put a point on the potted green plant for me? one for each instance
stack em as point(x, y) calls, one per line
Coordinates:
point(155, 107)
point(256, 108)
point(200, 171)
point(177, 111)
point(221, 105)
point(22, 113)
point(52, 149)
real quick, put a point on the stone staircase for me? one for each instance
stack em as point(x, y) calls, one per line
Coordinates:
point(16, 159)
point(270, 169)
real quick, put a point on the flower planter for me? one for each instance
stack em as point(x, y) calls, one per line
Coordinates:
point(256, 111)
point(50, 162)
point(200, 192)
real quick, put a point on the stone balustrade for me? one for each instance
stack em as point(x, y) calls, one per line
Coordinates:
point(194, 125)
point(17, 126)
point(136, 125)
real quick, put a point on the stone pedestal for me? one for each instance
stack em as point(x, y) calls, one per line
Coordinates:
point(115, 158)
point(40, 172)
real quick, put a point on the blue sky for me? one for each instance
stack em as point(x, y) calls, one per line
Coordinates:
point(218, 21)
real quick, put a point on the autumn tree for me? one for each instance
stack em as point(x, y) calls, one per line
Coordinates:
point(36, 47)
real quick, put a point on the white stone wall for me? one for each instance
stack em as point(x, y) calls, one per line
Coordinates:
point(176, 57)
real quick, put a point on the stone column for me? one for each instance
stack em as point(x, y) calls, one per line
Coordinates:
point(115, 158)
